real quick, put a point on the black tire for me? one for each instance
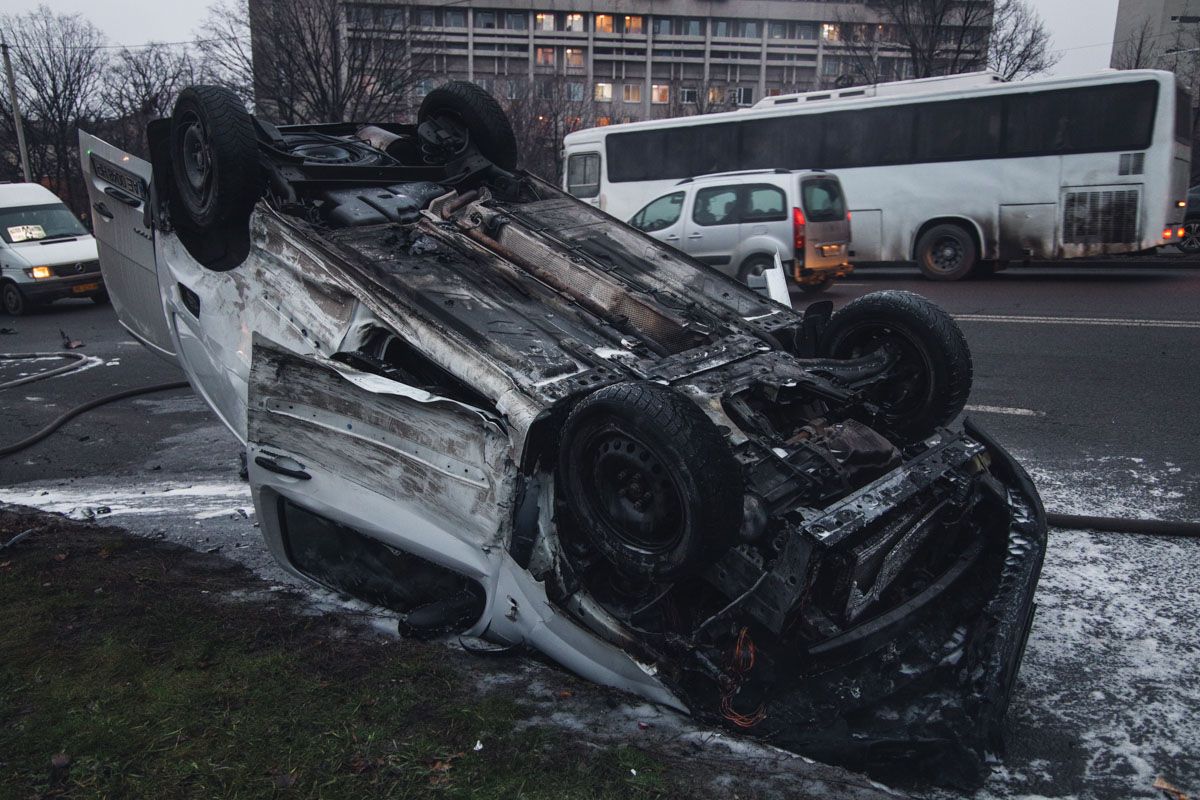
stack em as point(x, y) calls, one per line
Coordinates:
point(217, 180)
point(932, 377)
point(13, 300)
point(818, 287)
point(754, 266)
point(476, 110)
point(650, 480)
point(1190, 243)
point(947, 253)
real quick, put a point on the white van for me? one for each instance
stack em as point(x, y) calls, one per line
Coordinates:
point(738, 221)
point(45, 252)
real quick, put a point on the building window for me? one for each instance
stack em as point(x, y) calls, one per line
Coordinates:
point(805, 30)
point(424, 87)
point(575, 92)
point(545, 56)
point(830, 67)
point(831, 32)
point(774, 91)
point(660, 93)
point(603, 93)
point(744, 96)
point(604, 23)
point(603, 122)
point(516, 21)
point(661, 26)
point(748, 29)
point(721, 27)
point(715, 95)
point(633, 24)
point(485, 19)
point(692, 26)
point(574, 57)
point(543, 22)
point(631, 93)
point(688, 96)
point(513, 90)
point(454, 18)
point(425, 18)
point(574, 22)
point(777, 30)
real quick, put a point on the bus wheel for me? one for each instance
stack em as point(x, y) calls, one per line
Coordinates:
point(1190, 243)
point(946, 253)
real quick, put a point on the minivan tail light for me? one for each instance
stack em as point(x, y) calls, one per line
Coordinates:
point(798, 231)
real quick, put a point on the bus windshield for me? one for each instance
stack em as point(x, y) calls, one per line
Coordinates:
point(36, 223)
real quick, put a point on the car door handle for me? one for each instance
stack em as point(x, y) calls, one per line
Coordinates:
point(695, 235)
point(671, 238)
point(122, 196)
point(102, 210)
point(271, 465)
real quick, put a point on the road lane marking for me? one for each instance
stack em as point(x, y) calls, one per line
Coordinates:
point(1101, 321)
point(1015, 412)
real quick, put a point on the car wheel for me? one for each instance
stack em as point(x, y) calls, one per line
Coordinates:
point(649, 480)
point(13, 300)
point(1190, 243)
point(818, 287)
point(754, 267)
point(946, 253)
point(930, 379)
point(466, 104)
point(217, 180)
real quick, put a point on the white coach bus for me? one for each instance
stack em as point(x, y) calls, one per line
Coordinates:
point(955, 173)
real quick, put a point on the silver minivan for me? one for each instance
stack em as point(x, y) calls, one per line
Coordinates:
point(738, 221)
point(45, 252)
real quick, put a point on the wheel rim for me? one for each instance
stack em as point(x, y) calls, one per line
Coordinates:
point(912, 372)
point(197, 157)
point(947, 254)
point(1191, 237)
point(12, 299)
point(629, 489)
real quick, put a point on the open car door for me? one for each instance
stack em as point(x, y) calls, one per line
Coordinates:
point(119, 190)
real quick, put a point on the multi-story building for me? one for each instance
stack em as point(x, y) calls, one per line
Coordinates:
point(1149, 33)
point(636, 59)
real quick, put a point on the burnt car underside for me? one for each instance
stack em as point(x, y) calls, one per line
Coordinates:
point(761, 506)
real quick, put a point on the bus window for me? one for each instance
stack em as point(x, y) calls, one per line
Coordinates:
point(716, 206)
point(792, 142)
point(583, 174)
point(1090, 119)
point(868, 138)
point(1183, 116)
point(659, 214)
point(958, 129)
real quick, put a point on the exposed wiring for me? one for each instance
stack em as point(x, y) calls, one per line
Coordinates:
point(742, 663)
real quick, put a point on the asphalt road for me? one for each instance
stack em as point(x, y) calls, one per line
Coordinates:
point(1088, 373)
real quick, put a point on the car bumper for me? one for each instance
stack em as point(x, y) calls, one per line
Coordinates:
point(923, 699)
point(805, 273)
point(47, 290)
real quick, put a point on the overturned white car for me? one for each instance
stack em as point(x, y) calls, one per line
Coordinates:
point(468, 397)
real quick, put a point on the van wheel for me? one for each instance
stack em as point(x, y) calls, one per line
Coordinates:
point(468, 105)
point(946, 253)
point(217, 180)
point(13, 299)
point(1190, 243)
point(649, 480)
point(930, 379)
point(754, 267)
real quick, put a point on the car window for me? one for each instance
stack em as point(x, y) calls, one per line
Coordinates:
point(29, 223)
point(823, 200)
point(716, 205)
point(583, 174)
point(764, 204)
point(659, 214)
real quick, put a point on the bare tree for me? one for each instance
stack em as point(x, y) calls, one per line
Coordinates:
point(1140, 49)
point(222, 44)
point(140, 86)
point(1019, 46)
point(937, 37)
point(59, 63)
point(542, 113)
point(323, 59)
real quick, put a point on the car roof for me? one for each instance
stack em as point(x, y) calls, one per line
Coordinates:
point(25, 194)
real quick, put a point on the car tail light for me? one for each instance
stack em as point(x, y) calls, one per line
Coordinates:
point(1179, 233)
point(798, 231)
point(1168, 233)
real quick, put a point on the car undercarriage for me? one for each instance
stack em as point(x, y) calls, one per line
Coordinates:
point(515, 416)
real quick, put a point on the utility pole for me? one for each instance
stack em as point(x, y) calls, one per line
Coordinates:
point(16, 109)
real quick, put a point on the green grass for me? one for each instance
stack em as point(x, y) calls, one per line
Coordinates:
point(128, 657)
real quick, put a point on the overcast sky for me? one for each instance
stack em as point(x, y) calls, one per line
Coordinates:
point(1082, 29)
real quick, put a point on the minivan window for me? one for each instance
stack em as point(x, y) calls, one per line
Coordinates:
point(764, 204)
point(823, 201)
point(659, 214)
point(32, 223)
point(583, 175)
point(716, 206)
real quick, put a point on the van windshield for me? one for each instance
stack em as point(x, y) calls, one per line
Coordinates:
point(33, 223)
point(823, 200)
